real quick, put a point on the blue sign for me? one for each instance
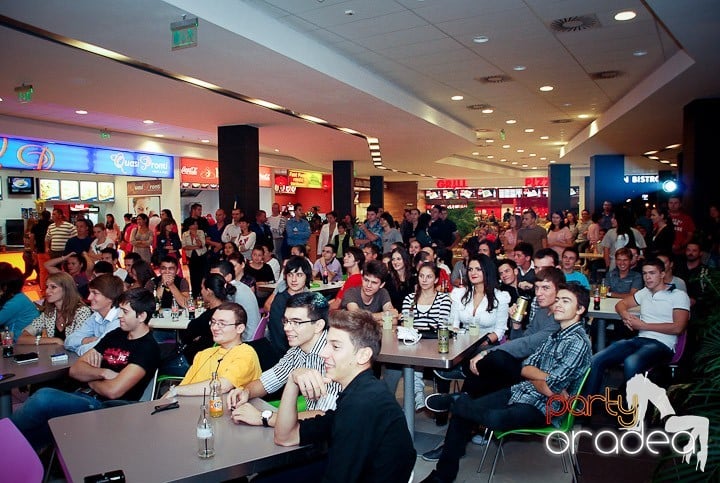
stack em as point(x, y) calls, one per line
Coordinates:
point(16, 153)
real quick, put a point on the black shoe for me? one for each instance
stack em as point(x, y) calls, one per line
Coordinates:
point(432, 478)
point(441, 403)
point(433, 455)
point(454, 374)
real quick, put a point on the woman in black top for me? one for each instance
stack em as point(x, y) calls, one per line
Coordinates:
point(663, 235)
point(400, 281)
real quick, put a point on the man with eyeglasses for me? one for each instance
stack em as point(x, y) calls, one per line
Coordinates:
point(305, 325)
point(236, 363)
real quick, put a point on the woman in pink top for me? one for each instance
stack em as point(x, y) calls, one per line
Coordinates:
point(593, 233)
point(559, 236)
point(510, 236)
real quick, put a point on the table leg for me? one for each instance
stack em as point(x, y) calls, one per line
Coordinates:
point(5, 404)
point(409, 398)
point(601, 325)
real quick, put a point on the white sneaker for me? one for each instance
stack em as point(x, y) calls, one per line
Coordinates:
point(419, 401)
point(479, 440)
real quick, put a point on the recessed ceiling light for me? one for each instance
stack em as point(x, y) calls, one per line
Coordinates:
point(490, 156)
point(514, 162)
point(625, 15)
point(490, 141)
point(476, 153)
point(583, 116)
point(204, 140)
point(552, 161)
point(640, 53)
point(148, 121)
point(546, 88)
point(519, 67)
point(277, 150)
point(532, 155)
point(524, 165)
point(648, 153)
point(543, 158)
point(520, 150)
point(480, 39)
point(488, 110)
point(534, 167)
point(349, 12)
point(674, 165)
point(664, 161)
point(159, 135)
point(457, 98)
point(673, 146)
point(529, 130)
point(1, 99)
point(510, 121)
point(505, 146)
point(503, 160)
point(545, 137)
point(653, 157)
point(82, 112)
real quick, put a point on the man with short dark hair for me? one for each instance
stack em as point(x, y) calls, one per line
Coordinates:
point(371, 296)
point(690, 269)
point(370, 231)
point(621, 280)
point(328, 264)
point(371, 252)
point(232, 232)
point(297, 229)
point(683, 224)
point(169, 286)
point(523, 256)
point(367, 436)
point(110, 255)
point(555, 368)
point(567, 265)
point(58, 234)
point(195, 216)
point(263, 234)
point(532, 233)
point(105, 291)
point(305, 324)
point(116, 370)
point(80, 243)
point(606, 216)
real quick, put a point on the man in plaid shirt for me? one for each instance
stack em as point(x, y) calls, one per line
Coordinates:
point(556, 367)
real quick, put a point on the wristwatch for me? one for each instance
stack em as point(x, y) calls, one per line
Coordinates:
point(266, 415)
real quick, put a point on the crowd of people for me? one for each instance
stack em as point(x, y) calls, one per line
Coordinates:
point(102, 284)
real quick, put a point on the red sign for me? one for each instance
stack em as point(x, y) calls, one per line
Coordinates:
point(451, 183)
point(538, 182)
point(200, 171)
point(265, 177)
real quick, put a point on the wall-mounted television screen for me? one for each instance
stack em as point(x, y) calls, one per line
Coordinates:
point(21, 185)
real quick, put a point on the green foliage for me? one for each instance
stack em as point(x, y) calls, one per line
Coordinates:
point(464, 218)
point(702, 396)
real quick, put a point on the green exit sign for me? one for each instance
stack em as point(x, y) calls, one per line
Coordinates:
point(184, 33)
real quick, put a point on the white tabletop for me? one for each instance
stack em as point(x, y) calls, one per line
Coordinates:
point(163, 446)
point(607, 309)
point(314, 286)
point(425, 353)
point(166, 322)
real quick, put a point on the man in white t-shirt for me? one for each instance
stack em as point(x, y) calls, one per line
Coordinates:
point(664, 314)
point(232, 231)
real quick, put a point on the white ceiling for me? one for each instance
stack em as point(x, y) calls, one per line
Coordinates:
point(388, 71)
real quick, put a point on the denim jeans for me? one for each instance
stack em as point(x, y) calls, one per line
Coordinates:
point(491, 411)
point(32, 418)
point(637, 354)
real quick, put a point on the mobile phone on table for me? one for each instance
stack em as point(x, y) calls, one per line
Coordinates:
point(26, 357)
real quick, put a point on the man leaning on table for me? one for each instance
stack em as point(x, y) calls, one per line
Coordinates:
point(371, 296)
point(305, 325)
point(116, 370)
point(366, 436)
point(104, 293)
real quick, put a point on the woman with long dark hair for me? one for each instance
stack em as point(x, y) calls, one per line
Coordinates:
point(663, 235)
point(400, 277)
point(62, 312)
point(17, 311)
point(559, 237)
point(622, 234)
point(141, 237)
point(76, 266)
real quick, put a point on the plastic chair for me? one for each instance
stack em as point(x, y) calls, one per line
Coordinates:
point(565, 426)
point(149, 392)
point(301, 404)
point(260, 331)
point(19, 460)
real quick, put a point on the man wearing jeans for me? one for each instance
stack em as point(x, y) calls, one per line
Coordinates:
point(555, 368)
point(664, 314)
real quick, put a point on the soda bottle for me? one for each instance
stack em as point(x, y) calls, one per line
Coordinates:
point(325, 276)
point(191, 309)
point(7, 343)
point(596, 299)
point(216, 403)
point(205, 434)
point(175, 310)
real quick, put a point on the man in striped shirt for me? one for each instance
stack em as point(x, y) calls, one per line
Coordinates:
point(58, 233)
point(305, 325)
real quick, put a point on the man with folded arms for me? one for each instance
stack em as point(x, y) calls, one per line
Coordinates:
point(104, 293)
point(305, 325)
point(117, 370)
point(556, 368)
point(371, 296)
point(367, 437)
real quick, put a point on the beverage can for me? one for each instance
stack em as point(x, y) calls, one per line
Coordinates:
point(521, 307)
point(443, 339)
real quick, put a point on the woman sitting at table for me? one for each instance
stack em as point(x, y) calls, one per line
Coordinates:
point(17, 311)
point(76, 266)
point(61, 313)
point(143, 275)
point(239, 263)
point(235, 363)
point(429, 307)
point(400, 282)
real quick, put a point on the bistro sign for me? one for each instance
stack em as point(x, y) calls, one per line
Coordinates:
point(17, 153)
